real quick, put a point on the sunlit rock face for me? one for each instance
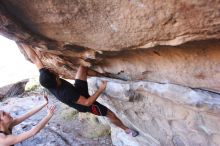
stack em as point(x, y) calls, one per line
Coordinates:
point(164, 114)
point(165, 55)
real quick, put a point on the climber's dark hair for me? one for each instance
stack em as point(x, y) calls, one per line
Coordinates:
point(47, 78)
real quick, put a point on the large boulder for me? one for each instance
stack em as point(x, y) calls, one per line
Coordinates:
point(115, 36)
point(164, 56)
point(13, 89)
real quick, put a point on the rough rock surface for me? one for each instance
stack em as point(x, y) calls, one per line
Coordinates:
point(69, 33)
point(66, 128)
point(116, 25)
point(164, 114)
point(167, 53)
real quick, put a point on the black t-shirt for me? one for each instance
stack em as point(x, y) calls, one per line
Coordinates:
point(67, 94)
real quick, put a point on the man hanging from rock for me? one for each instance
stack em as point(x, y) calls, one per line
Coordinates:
point(76, 95)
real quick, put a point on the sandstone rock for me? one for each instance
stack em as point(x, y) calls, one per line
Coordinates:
point(13, 89)
point(166, 56)
point(117, 25)
point(164, 114)
point(67, 34)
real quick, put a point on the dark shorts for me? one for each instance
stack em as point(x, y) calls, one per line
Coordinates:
point(96, 108)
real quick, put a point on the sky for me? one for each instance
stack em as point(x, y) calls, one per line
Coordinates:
point(13, 66)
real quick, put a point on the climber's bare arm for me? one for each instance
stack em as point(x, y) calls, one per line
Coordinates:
point(33, 56)
point(89, 101)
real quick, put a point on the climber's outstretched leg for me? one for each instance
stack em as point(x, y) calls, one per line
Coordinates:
point(83, 72)
point(115, 120)
point(97, 108)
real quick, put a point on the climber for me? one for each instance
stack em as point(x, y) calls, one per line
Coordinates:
point(76, 95)
point(7, 123)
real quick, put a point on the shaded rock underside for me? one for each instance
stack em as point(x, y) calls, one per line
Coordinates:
point(115, 36)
